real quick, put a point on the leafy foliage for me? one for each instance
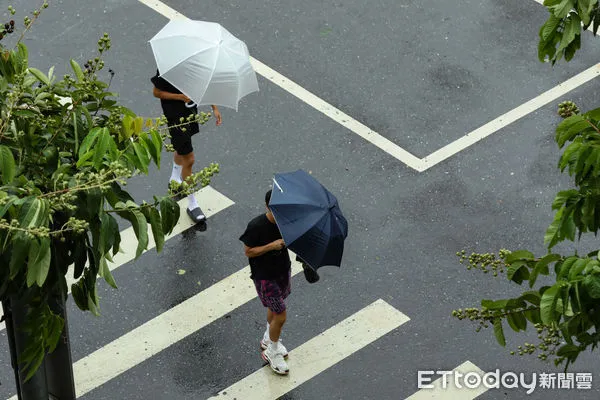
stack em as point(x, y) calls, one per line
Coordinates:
point(67, 149)
point(560, 35)
point(566, 313)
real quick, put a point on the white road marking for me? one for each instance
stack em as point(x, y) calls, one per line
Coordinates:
point(385, 144)
point(320, 353)
point(165, 330)
point(337, 115)
point(510, 117)
point(445, 389)
point(211, 201)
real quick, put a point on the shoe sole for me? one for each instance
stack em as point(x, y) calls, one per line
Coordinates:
point(274, 370)
point(264, 347)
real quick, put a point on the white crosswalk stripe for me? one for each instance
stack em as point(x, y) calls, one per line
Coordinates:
point(319, 353)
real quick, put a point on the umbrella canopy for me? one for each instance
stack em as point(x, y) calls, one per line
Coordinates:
point(205, 62)
point(309, 218)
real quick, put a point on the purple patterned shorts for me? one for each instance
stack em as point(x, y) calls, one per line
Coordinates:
point(272, 293)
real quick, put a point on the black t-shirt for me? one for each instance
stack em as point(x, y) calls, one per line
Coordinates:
point(174, 109)
point(271, 265)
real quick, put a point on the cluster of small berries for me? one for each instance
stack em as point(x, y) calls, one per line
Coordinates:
point(567, 109)
point(94, 65)
point(9, 27)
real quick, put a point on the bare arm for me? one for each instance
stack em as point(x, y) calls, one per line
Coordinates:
point(161, 94)
point(252, 252)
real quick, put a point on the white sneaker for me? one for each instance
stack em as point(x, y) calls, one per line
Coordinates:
point(276, 361)
point(264, 344)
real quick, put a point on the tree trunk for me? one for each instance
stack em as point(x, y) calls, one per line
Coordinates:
point(35, 388)
point(59, 365)
point(54, 379)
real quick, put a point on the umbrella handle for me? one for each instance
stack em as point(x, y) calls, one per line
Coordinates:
point(190, 104)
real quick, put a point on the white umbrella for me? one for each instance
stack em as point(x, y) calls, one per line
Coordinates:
point(205, 62)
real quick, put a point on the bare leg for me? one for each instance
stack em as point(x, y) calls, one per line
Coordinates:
point(186, 163)
point(276, 325)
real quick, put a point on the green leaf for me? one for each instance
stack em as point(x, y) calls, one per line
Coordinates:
point(564, 197)
point(517, 321)
point(569, 128)
point(39, 261)
point(133, 214)
point(570, 154)
point(142, 155)
point(105, 273)
point(79, 258)
point(29, 214)
point(149, 144)
point(89, 140)
point(572, 48)
point(92, 305)
point(549, 27)
point(499, 332)
point(593, 114)
point(169, 211)
point(518, 272)
point(77, 70)
point(541, 267)
point(78, 291)
point(83, 160)
point(533, 316)
point(566, 267)
point(551, 235)
point(580, 265)
point(39, 75)
point(157, 141)
point(117, 194)
point(9, 203)
point(7, 165)
point(519, 255)
point(548, 304)
point(20, 249)
point(568, 350)
point(561, 9)
point(531, 296)
point(56, 328)
point(572, 28)
point(101, 148)
point(127, 127)
point(494, 305)
point(153, 217)
point(35, 364)
point(108, 232)
point(591, 283)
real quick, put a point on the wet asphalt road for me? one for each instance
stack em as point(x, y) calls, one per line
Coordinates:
point(421, 75)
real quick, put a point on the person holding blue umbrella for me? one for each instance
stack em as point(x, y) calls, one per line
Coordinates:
point(310, 220)
point(270, 269)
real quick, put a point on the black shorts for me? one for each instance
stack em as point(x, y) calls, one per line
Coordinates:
point(182, 141)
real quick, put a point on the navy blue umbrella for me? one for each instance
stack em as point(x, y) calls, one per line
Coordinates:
point(309, 218)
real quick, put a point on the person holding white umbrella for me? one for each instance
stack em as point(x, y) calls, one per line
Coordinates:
point(175, 106)
point(203, 63)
